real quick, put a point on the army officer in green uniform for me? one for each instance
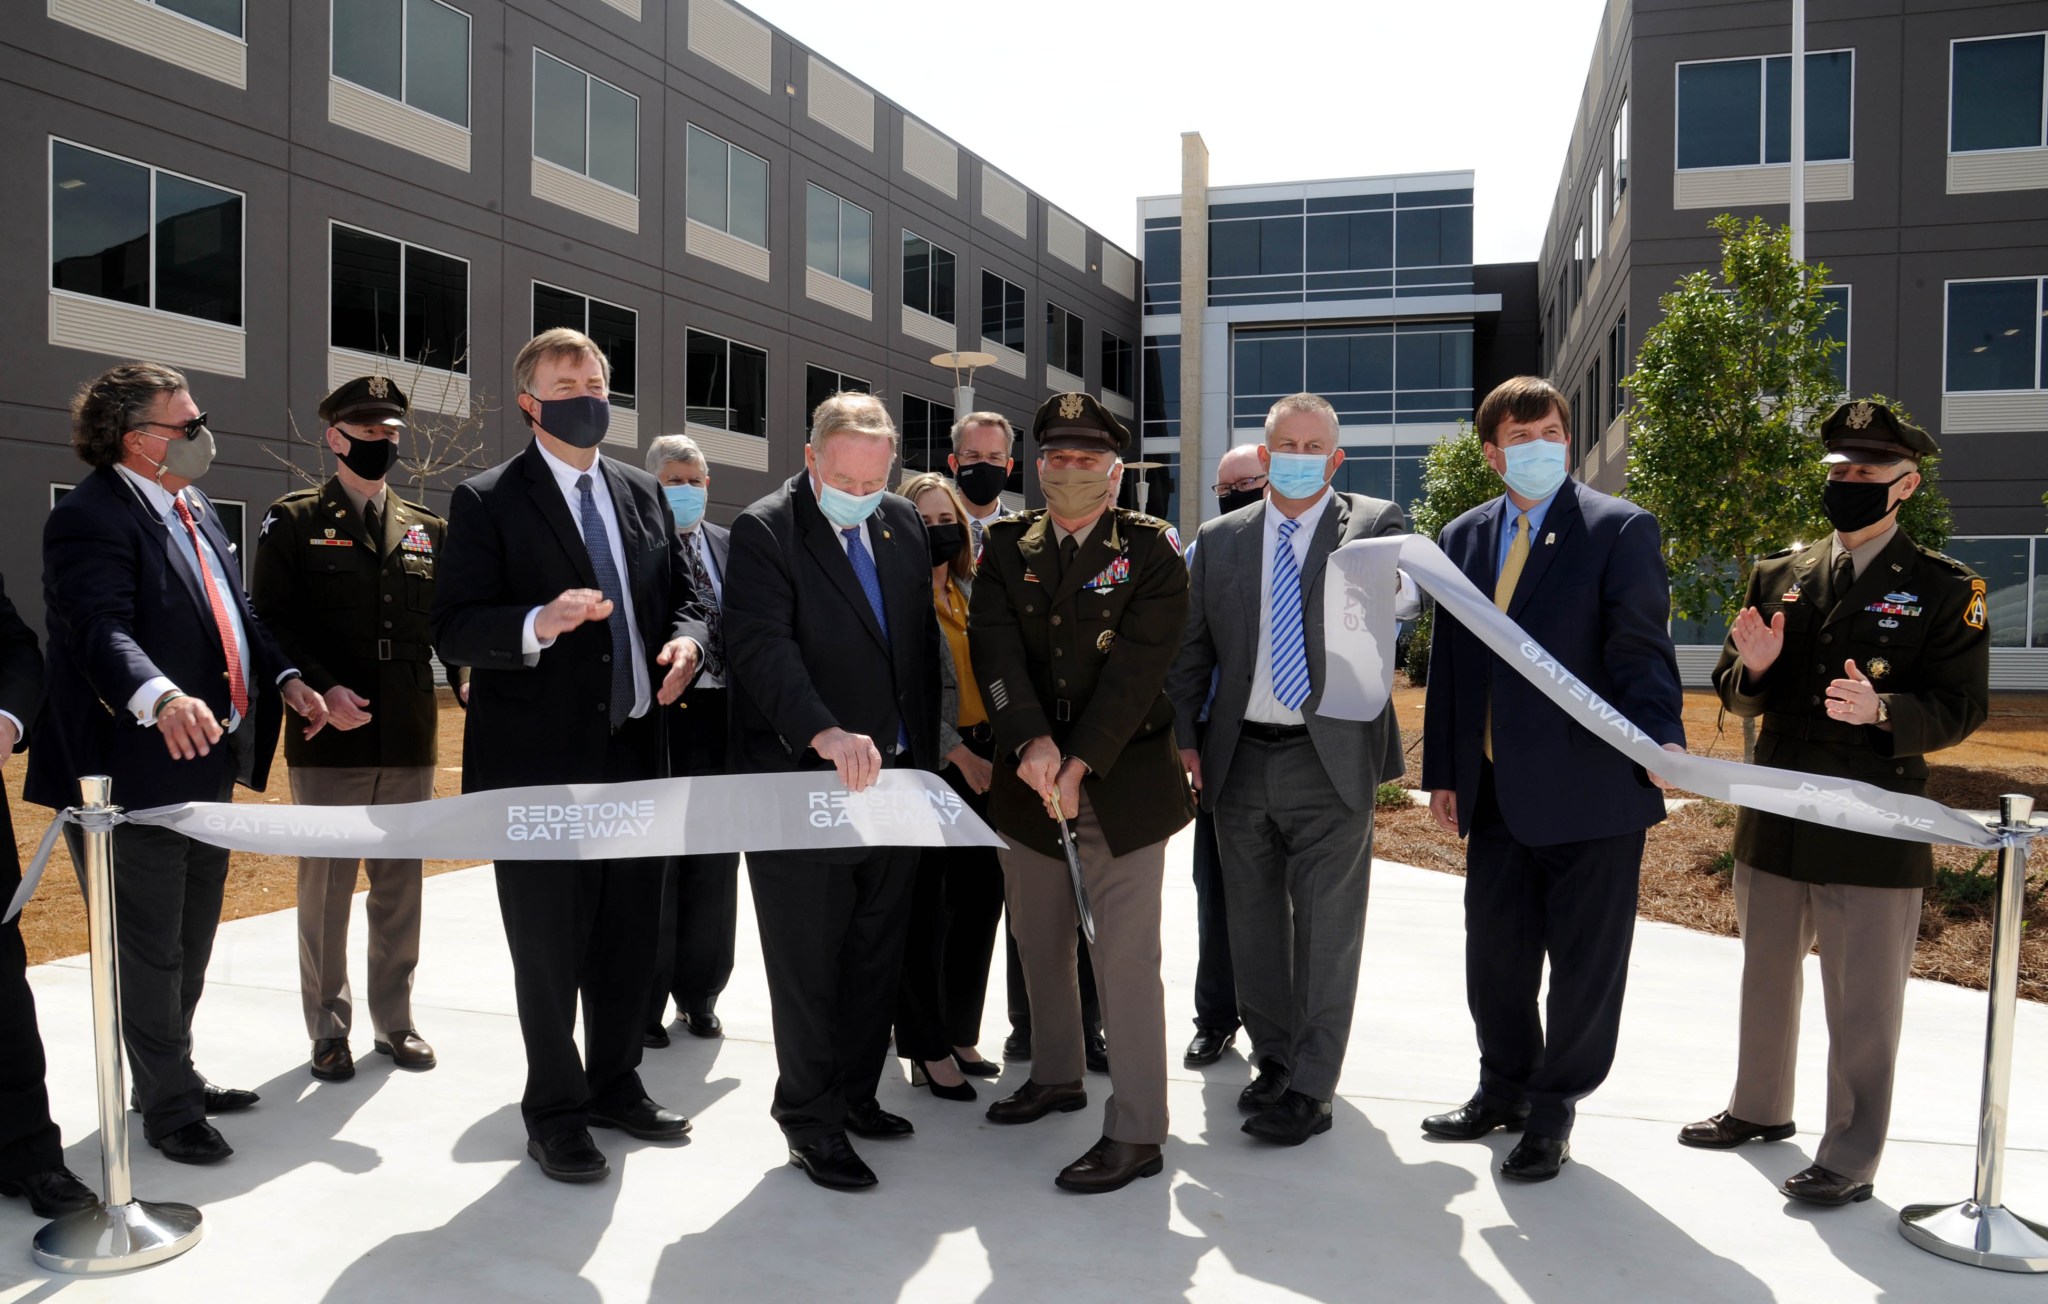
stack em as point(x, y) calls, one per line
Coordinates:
point(1862, 652)
point(1077, 614)
point(344, 577)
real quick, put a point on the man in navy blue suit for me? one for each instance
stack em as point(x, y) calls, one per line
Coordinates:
point(1554, 816)
point(161, 677)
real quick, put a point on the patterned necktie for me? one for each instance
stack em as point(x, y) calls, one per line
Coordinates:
point(864, 571)
point(1504, 595)
point(597, 541)
point(238, 686)
point(977, 529)
point(1290, 657)
point(707, 598)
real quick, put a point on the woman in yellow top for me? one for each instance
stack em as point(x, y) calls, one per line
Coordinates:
point(958, 898)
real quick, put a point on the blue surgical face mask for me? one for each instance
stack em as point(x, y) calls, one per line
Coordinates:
point(1298, 475)
point(847, 510)
point(579, 422)
point(687, 502)
point(1536, 468)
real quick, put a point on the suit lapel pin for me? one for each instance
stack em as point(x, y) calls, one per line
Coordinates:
point(886, 534)
point(1549, 538)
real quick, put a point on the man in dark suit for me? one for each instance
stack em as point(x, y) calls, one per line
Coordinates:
point(701, 893)
point(832, 649)
point(1293, 790)
point(162, 678)
point(563, 587)
point(31, 1150)
point(1556, 817)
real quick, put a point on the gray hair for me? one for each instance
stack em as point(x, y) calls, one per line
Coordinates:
point(674, 448)
point(961, 427)
point(1303, 402)
point(852, 413)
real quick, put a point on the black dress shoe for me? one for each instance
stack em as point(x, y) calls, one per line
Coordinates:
point(921, 1077)
point(569, 1157)
point(194, 1143)
point(1017, 1046)
point(1265, 1091)
point(832, 1164)
point(332, 1060)
point(654, 1036)
point(51, 1194)
point(1097, 1047)
point(976, 1068)
point(701, 1023)
point(1110, 1166)
point(1724, 1131)
point(1294, 1120)
point(1822, 1186)
point(407, 1051)
point(1536, 1158)
point(1034, 1100)
point(1474, 1119)
point(867, 1118)
point(1207, 1047)
point(644, 1119)
point(226, 1100)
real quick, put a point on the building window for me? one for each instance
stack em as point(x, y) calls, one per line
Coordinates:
point(1002, 312)
point(1619, 364)
point(927, 434)
point(725, 384)
point(1596, 420)
point(397, 300)
point(1159, 414)
point(1738, 112)
point(1371, 374)
point(1994, 336)
point(1617, 154)
point(1995, 93)
point(222, 15)
point(1162, 266)
point(728, 187)
point(821, 383)
point(1836, 327)
point(1063, 339)
point(412, 51)
point(2015, 573)
point(1578, 268)
point(140, 235)
point(585, 124)
point(927, 277)
point(838, 237)
point(1599, 211)
point(615, 330)
point(1117, 367)
point(1340, 247)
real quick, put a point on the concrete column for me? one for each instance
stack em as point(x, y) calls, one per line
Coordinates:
point(1194, 297)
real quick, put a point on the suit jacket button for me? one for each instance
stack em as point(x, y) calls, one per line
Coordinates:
point(387, 597)
point(606, 658)
point(1884, 638)
point(387, 624)
point(1055, 620)
point(1059, 651)
point(1826, 638)
point(1898, 769)
point(1027, 606)
point(1061, 682)
point(1813, 701)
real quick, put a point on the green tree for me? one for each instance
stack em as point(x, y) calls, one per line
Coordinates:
point(1455, 479)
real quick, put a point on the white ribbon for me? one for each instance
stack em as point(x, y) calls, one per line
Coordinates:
point(1358, 626)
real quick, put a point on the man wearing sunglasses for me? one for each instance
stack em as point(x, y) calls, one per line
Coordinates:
point(161, 677)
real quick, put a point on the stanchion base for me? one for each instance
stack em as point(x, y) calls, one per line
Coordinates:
point(117, 1237)
point(1969, 1232)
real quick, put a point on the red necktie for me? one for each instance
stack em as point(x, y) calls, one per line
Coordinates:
point(238, 687)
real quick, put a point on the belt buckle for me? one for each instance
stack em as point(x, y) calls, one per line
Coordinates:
point(383, 649)
point(1062, 710)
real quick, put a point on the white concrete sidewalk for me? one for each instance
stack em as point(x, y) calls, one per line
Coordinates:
point(403, 1187)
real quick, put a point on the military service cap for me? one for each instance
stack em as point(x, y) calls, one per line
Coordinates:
point(1078, 421)
point(366, 400)
point(1863, 430)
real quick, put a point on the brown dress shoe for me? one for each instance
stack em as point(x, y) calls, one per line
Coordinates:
point(1724, 1131)
point(1817, 1185)
point(1110, 1166)
point(1034, 1100)
point(332, 1061)
point(407, 1051)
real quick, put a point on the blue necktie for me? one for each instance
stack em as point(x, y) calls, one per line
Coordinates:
point(1290, 657)
point(598, 543)
point(871, 584)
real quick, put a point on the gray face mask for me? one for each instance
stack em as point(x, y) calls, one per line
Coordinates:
point(188, 459)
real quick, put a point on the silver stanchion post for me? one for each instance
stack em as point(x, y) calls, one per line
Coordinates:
point(1981, 1230)
point(124, 1232)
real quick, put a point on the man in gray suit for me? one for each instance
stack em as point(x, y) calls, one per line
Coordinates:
point(1292, 790)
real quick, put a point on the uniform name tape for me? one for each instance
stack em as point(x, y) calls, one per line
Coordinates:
point(804, 811)
point(1358, 623)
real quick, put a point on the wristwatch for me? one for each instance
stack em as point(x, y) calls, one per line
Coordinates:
point(1884, 712)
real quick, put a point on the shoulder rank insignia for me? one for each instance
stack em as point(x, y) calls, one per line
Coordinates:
point(1977, 613)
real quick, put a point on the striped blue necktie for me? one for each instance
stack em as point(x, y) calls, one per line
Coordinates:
point(1290, 656)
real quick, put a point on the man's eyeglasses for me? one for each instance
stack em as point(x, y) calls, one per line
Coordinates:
point(189, 429)
point(1243, 486)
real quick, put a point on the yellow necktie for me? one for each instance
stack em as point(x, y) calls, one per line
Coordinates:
point(1503, 594)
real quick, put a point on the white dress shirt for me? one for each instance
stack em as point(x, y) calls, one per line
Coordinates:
point(530, 643)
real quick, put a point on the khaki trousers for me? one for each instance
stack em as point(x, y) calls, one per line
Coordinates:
point(1866, 937)
point(326, 887)
point(1123, 892)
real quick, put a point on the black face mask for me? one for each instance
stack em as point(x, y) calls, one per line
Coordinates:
point(946, 541)
point(369, 459)
point(981, 482)
point(1854, 505)
point(580, 422)
point(1236, 498)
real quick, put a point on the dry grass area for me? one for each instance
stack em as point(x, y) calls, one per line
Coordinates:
point(1686, 868)
point(53, 925)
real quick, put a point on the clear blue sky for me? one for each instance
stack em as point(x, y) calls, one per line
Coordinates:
point(1077, 98)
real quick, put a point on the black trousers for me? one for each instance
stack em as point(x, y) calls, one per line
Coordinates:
point(955, 904)
point(29, 1142)
point(832, 943)
point(700, 894)
point(1215, 980)
point(1575, 904)
point(583, 928)
point(167, 895)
